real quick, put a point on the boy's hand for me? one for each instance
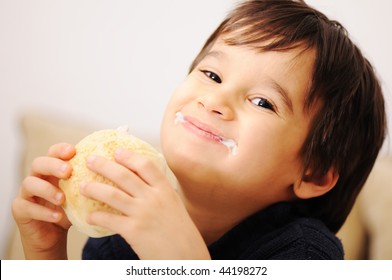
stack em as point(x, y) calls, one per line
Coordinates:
point(37, 208)
point(154, 221)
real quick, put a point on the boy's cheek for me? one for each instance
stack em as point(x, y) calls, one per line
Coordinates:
point(186, 90)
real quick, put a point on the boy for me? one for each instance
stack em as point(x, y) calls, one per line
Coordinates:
point(271, 136)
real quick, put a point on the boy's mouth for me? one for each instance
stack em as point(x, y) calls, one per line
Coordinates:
point(208, 131)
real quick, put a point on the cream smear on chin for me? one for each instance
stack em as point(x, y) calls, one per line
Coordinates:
point(229, 143)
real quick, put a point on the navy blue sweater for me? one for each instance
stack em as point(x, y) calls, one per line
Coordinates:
point(274, 233)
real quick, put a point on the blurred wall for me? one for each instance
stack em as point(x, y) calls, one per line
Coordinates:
point(117, 62)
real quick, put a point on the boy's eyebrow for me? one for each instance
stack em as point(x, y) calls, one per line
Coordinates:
point(283, 93)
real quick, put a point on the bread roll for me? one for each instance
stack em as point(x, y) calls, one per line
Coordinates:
point(100, 143)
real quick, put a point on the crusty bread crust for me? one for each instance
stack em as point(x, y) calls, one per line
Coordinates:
point(100, 143)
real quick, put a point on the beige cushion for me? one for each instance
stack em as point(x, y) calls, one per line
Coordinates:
point(353, 237)
point(367, 233)
point(375, 203)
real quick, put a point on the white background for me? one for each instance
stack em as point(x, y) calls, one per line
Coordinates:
point(198, 270)
point(113, 62)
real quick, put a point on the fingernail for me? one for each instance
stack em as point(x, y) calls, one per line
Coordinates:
point(55, 215)
point(67, 149)
point(83, 185)
point(118, 151)
point(64, 167)
point(90, 159)
point(58, 196)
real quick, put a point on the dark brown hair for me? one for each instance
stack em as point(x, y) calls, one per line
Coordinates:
point(348, 130)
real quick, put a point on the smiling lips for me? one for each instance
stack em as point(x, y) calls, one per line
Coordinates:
point(206, 131)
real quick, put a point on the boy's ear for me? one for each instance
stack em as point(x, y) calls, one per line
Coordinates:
point(313, 185)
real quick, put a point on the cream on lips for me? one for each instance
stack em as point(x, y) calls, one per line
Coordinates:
point(229, 143)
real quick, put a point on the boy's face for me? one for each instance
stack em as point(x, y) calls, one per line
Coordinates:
point(251, 100)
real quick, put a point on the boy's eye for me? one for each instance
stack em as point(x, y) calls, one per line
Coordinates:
point(212, 76)
point(262, 102)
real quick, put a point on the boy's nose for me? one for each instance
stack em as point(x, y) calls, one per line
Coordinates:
point(218, 104)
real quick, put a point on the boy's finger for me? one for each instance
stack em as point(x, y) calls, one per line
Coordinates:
point(124, 178)
point(143, 166)
point(35, 187)
point(107, 194)
point(109, 221)
point(63, 151)
point(49, 166)
point(26, 211)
